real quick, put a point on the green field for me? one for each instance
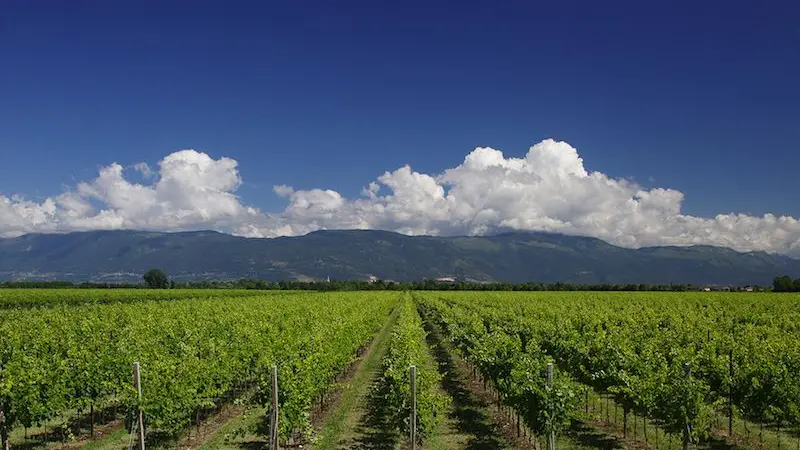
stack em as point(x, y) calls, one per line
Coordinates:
point(630, 369)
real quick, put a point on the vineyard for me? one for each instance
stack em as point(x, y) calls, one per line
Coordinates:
point(26, 298)
point(192, 352)
point(645, 370)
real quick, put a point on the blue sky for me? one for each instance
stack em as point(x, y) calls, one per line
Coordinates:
point(700, 98)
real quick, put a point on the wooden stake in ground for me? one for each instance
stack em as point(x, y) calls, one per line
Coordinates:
point(656, 430)
point(273, 419)
point(586, 400)
point(137, 383)
point(413, 375)
point(730, 394)
point(91, 419)
point(3, 429)
point(624, 422)
point(688, 427)
point(551, 437)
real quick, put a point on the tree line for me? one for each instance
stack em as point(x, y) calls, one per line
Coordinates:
point(157, 279)
point(786, 284)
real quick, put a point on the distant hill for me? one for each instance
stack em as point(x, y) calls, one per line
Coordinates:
point(107, 256)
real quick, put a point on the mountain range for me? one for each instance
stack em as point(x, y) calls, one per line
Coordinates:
point(122, 256)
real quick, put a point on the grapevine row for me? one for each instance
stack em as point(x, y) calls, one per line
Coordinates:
point(514, 365)
point(742, 352)
point(192, 353)
point(32, 298)
point(407, 347)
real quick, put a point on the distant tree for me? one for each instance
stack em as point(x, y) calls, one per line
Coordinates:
point(797, 285)
point(783, 284)
point(156, 279)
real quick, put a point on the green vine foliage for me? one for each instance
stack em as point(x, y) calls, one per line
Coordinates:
point(192, 352)
point(495, 348)
point(47, 297)
point(633, 346)
point(407, 347)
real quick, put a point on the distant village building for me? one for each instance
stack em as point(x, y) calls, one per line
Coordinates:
point(372, 279)
point(718, 288)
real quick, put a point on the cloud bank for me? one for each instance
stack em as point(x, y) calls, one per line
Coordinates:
point(549, 189)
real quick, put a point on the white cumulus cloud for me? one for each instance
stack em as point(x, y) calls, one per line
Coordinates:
point(143, 169)
point(549, 189)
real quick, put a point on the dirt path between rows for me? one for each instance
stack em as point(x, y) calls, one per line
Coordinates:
point(355, 420)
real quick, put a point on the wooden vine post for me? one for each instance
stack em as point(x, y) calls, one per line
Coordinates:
point(687, 429)
point(137, 383)
point(413, 424)
point(3, 429)
point(730, 394)
point(273, 418)
point(551, 436)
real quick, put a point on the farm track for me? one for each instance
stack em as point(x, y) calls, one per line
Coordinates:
point(360, 420)
point(354, 420)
